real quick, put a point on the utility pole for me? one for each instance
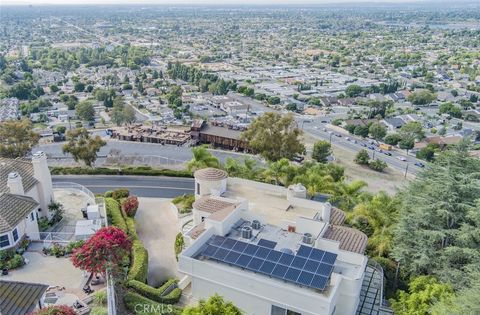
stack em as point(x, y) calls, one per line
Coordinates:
point(331, 138)
point(406, 171)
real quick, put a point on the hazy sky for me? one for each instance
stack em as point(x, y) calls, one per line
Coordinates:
point(219, 2)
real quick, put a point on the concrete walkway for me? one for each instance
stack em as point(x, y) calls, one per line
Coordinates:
point(157, 227)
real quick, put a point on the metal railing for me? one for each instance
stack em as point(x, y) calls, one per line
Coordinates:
point(70, 185)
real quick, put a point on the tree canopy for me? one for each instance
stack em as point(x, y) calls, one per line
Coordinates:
point(274, 136)
point(215, 305)
point(17, 138)
point(83, 147)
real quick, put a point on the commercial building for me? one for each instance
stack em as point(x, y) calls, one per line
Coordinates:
point(270, 250)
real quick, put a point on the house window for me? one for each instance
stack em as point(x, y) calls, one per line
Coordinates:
point(32, 217)
point(4, 241)
point(15, 235)
point(198, 188)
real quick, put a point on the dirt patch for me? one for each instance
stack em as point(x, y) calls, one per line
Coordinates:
point(390, 180)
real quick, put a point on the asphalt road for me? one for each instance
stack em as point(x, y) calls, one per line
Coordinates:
point(142, 186)
point(316, 128)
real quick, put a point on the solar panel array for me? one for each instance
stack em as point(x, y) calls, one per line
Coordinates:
point(311, 267)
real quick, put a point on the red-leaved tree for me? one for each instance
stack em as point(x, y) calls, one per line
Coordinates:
point(130, 206)
point(56, 310)
point(104, 250)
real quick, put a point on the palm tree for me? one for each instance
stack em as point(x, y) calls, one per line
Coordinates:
point(202, 159)
point(346, 196)
point(281, 172)
point(317, 180)
point(376, 218)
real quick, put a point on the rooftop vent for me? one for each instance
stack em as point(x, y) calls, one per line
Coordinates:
point(247, 232)
point(307, 238)
point(256, 224)
point(286, 251)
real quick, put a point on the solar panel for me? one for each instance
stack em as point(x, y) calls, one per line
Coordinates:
point(329, 258)
point(255, 264)
point(267, 267)
point(305, 278)
point(216, 240)
point(310, 267)
point(274, 256)
point(267, 243)
point(319, 282)
point(243, 260)
point(251, 249)
point(316, 254)
point(262, 252)
point(292, 274)
point(239, 247)
point(232, 257)
point(220, 254)
point(286, 259)
point(298, 262)
point(210, 250)
point(279, 271)
point(304, 251)
point(229, 243)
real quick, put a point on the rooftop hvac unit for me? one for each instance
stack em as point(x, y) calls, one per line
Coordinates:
point(307, 238)
point(247, 232)
point(256, 224)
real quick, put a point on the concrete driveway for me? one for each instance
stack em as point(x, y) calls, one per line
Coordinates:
point(157, 227)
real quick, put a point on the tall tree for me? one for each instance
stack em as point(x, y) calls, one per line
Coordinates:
point(321, 151)
point(83, 147)
point(17, 138)
point(85, 111)
point(377, 131)
point(274, 136)
point(439, 220)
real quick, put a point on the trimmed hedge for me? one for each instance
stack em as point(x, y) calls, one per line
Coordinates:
point(114, 214)
point(140, 170)
point(132, 231)
point(132, 300)
point(139, 268)
point(156, 294)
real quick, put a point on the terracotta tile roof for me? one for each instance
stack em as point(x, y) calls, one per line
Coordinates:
point(23, 167)
point(337, 216)
point(19, 298)
point(211, 174)
point(350, 239)
point(13, 209)
point(221, 215)
point(196, 231)
point(212, 204)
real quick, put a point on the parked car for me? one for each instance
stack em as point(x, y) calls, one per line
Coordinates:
point(338, 135)
point(347, 138)
point(419, 164)
point(372, 147)
point(364, 145)
point(387, 153)
point(401, 158)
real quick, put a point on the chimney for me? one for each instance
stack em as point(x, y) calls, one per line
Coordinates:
point(15, 184)
point(42, 174)
point(327, 209)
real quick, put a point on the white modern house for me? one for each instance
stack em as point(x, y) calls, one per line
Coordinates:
point(25, 193)
point(270, 250)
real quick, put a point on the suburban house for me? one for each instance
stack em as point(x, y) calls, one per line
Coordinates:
point(25, 193)
point(21, 298)
point(270, 250)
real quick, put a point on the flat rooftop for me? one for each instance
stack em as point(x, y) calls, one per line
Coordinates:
point(283, 239)
point(271, 205)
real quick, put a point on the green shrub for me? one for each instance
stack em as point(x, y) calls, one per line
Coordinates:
point(43, 224)
point(156, 294)
point(57, 250)
point(139, 268)
point(120, 193)
point(114, 214)
point(73, 245)
point(141, 170)
point(108, 194)
point(184, 203)
point(132, 231)
point(16, 262)
point(179, 244)
point(99, 310)
point(100, 298)
point(132, 299)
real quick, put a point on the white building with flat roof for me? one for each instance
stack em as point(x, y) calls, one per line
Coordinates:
point(270, 250)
